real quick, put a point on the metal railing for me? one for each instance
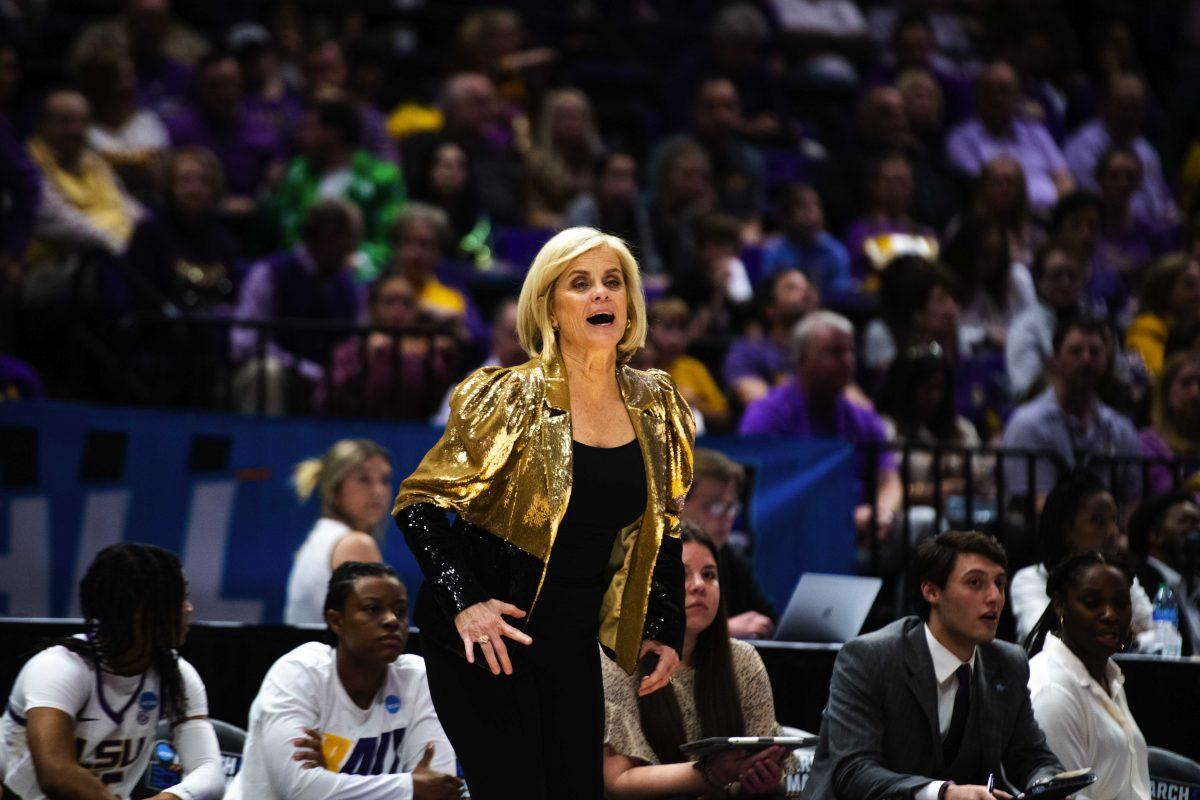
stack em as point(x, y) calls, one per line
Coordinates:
point(988, 501)
point(190, 361)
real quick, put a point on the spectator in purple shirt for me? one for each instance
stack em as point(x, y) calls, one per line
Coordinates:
point(997, 130)
point(267, 92)
point(247, 145)
point(1127, 243)
point(311, 281)
point(891, 201)
point(762, 357)
point(1120, 125)
point(1174, 430)
point(814, 404)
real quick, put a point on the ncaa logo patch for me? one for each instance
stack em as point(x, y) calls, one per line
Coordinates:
point(164, 752)
point(392, 703)
point(148, 701)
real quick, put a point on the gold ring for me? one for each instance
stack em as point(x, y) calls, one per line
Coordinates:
point(483, 639)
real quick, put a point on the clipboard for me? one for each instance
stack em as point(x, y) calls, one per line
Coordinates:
point(751, 744)
point(1062, 785)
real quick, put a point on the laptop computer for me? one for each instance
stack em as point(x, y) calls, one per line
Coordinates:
point(827, 608)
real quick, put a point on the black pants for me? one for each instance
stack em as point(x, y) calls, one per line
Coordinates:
point(535, 734)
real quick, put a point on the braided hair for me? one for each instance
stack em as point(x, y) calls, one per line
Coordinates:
point(344, 576)
point(1061, 577)
point(132, 597)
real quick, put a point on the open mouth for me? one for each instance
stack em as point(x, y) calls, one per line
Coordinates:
point(991, 618)
point(602, 319)
point(1109, 638)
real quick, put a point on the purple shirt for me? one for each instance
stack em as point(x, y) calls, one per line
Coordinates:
point(163, 85)
point(863, 230)
point(245, 151)
point(757, 358)
point(1162, 476)
point(970, 147)
point(783, 411)
point(1152, 203)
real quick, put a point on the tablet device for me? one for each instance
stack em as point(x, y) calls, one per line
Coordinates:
point(751, 744)
point(1064, 784)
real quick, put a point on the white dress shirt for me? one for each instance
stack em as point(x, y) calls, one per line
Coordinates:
point(1087, 725)
point(945, 664)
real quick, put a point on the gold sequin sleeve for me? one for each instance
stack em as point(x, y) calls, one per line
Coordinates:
point(488, 412)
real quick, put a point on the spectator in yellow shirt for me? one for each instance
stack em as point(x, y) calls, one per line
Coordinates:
point(1170, 295)
point(669, 340)
point(420, 238)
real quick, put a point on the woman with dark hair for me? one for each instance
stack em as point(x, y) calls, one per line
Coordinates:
point(722, 689)
point(916, 403)
point(1076, 688)
point(615, 205)
point(681, 189)
point(1125, 243)
point(353, 720)
point(1079, 515)
point(917, 306)
point(1170, 296)
point(1001, 193)
point(447, 181)
point(1174, 430)
point(992, 288)
point(72, 704)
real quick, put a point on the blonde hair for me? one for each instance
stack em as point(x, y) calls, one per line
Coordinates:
point(537, 334)
point(552, 105)
point(325, 474)
point(1161, 418)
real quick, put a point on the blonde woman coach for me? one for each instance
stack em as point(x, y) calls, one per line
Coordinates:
point(567, 475)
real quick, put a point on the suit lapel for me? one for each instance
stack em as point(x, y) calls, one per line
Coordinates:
point(923, 683)
point(991, 686)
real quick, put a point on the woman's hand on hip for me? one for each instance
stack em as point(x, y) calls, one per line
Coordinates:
point(668, 663)
point(483, 624)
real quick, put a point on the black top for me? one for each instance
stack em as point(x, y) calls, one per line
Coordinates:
point(608, 492)
point(739, 587)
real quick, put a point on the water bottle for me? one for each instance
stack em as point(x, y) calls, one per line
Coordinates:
point(1167, 641)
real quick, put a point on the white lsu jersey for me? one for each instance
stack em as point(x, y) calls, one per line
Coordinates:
point(368, 752)
point(115, 717)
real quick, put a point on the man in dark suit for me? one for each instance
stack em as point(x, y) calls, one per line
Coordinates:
point(1164, 533)
point(929, 706)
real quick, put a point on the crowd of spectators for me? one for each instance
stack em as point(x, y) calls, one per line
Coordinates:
point(948, 223)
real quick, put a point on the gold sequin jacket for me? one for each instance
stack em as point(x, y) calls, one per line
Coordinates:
point(504, 466)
